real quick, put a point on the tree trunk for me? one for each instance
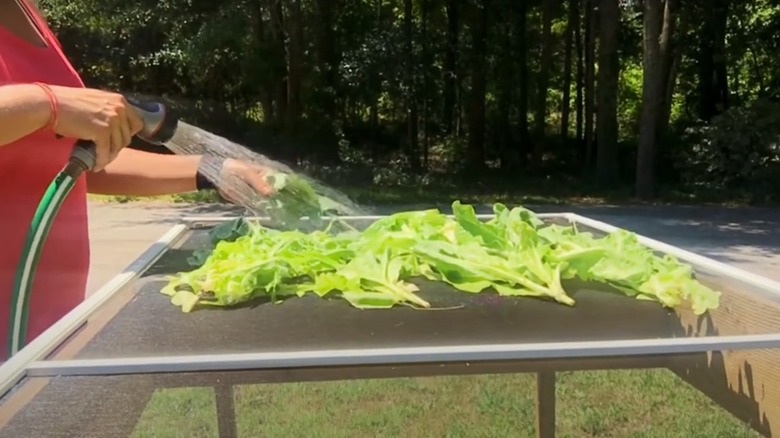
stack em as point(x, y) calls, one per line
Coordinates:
point(651, 84)
point(411, 91)
point(506, 87)
point(670, 55)
point(376, 88)
point(450, 63)
point(590, 54)
point(580, 73)
point(475, 153)
point(266, 91)
point(295, 65)
point(540, 118)
point(571, 22)
point(608, 76)
point(426, 83)
point(326, 52)
point(713, 80)
point(277, 24)
point(326, 149)
point(525, 146)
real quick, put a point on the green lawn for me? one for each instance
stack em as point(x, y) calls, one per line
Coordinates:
point(623, 404)
point(526, 193)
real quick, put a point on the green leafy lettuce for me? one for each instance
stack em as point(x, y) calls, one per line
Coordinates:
point(513, 254)
point(294, 198)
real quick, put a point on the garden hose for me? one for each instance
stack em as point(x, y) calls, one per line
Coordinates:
point(158, 128)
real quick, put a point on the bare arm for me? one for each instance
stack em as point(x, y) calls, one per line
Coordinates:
point(139, 173)
point(24, 109)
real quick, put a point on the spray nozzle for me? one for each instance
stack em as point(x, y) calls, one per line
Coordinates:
point(159, 123)
point(159, 126)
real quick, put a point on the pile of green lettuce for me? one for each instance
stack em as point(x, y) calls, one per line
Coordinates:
point(513, 254)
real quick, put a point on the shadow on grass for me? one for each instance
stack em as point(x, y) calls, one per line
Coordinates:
point(737, 383)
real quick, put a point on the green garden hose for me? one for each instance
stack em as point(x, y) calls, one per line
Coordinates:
point(159, 127)
point(83, 158)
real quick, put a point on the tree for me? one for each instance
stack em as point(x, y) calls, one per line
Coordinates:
point(608, 75)
point(651, 94)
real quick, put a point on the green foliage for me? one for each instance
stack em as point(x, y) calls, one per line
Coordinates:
point(227, 66)
point(741, 148)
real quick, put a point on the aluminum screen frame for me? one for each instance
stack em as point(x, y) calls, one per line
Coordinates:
point(30, 361)
point(15, 369)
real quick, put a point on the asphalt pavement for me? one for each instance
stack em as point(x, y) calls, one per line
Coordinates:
point(748, 238)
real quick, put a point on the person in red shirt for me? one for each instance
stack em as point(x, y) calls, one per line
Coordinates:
point(44, 109)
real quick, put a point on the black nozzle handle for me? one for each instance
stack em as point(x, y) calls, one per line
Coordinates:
point(159, 124)
point(84, 154)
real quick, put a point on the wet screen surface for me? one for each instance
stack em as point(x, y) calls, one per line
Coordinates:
point(149, 325)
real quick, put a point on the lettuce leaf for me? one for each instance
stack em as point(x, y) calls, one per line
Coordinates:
point(513, 254)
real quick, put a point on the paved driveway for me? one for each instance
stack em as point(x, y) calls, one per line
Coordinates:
point(745, 237)
point(122, 232)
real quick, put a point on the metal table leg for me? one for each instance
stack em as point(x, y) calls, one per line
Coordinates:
point(226, 411)
point(545, 404)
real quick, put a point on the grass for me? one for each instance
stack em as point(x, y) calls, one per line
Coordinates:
point(625, 404)
point(529, 192)
point(197, 197)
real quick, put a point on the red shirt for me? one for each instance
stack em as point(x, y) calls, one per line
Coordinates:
point(27, 167)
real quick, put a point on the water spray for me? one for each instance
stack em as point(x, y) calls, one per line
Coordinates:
point(295, 195)
point(159, 126)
